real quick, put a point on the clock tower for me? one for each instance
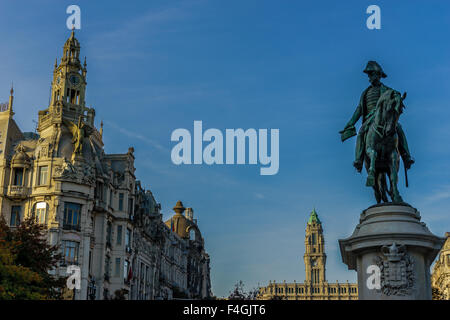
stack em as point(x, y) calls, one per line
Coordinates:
point(314, 257)
point(68, 90)
point(69, 77)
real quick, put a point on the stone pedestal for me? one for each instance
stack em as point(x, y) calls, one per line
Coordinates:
point(392, 251)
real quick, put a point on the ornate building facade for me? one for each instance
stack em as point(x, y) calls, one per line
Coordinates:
point(315, 286)
point(90, 201)
point(440, 277)
point(197, 268)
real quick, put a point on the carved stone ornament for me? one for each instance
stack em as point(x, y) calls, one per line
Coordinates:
point(81, 173)
point(396, 270)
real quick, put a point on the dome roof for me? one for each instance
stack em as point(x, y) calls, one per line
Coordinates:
point(179, 223)
point(20, 156)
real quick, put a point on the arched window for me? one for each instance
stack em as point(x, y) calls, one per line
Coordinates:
point(192, 234)
point(40, 212)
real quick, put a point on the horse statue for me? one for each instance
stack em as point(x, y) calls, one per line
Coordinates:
point(381, 156)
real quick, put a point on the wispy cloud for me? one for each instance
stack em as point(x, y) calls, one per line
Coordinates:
point(138, 28)
point(149, 18)
point(442, 194)
point(136, 135)
point(259, 195)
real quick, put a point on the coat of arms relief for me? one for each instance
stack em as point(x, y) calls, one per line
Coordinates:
point(396, 270)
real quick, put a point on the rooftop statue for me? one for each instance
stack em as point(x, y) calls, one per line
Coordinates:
point(79, 132)
point(381, 140)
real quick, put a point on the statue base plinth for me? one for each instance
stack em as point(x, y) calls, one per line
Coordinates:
point(392, 251)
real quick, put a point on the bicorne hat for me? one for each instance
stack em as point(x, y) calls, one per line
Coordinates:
point(374, 66)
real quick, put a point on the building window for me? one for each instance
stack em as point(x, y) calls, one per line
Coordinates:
point(130, 206)
point(192, 234)
point(40, 212)
point(121, 201)
point(128, 238)
point(99, 190)
point(119, 235)
point(70, 252)
point(15, 216)
point(43, 172)
point(18, 176)
point(108, 233)
point(117, 268)
point(110, 198)
point(142, 273)
point(72, 215)
point(125, 270)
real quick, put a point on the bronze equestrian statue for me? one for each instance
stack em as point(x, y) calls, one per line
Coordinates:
point(381, 138)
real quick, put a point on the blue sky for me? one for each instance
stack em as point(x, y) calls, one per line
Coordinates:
point(155, 66)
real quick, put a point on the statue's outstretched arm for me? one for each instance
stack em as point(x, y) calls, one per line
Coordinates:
point(355, 117)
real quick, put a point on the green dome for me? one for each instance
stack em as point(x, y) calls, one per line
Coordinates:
point(314, 217)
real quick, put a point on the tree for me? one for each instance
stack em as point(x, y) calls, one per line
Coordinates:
point(25, 261)
point(239, 293)
point(437, 294)
point(17, 282)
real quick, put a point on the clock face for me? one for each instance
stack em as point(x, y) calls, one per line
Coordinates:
point(74, 79)
point(314, 262)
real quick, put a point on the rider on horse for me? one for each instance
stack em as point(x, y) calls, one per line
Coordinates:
point(365, 109)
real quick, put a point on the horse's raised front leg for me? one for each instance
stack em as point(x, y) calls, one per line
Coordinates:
point(393, 168)
point(372, 154)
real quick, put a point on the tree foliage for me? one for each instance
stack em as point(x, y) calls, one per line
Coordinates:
point(25, 261)
point(239, 293)
point(437, 294)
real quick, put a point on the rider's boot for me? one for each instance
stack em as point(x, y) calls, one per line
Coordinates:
point(359, 152)
point(397, 198)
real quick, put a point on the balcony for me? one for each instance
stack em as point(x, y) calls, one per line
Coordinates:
point(17, 191)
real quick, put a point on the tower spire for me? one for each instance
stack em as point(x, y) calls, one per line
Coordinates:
point(314, 218)
point(314, 257)
point(11, 99)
